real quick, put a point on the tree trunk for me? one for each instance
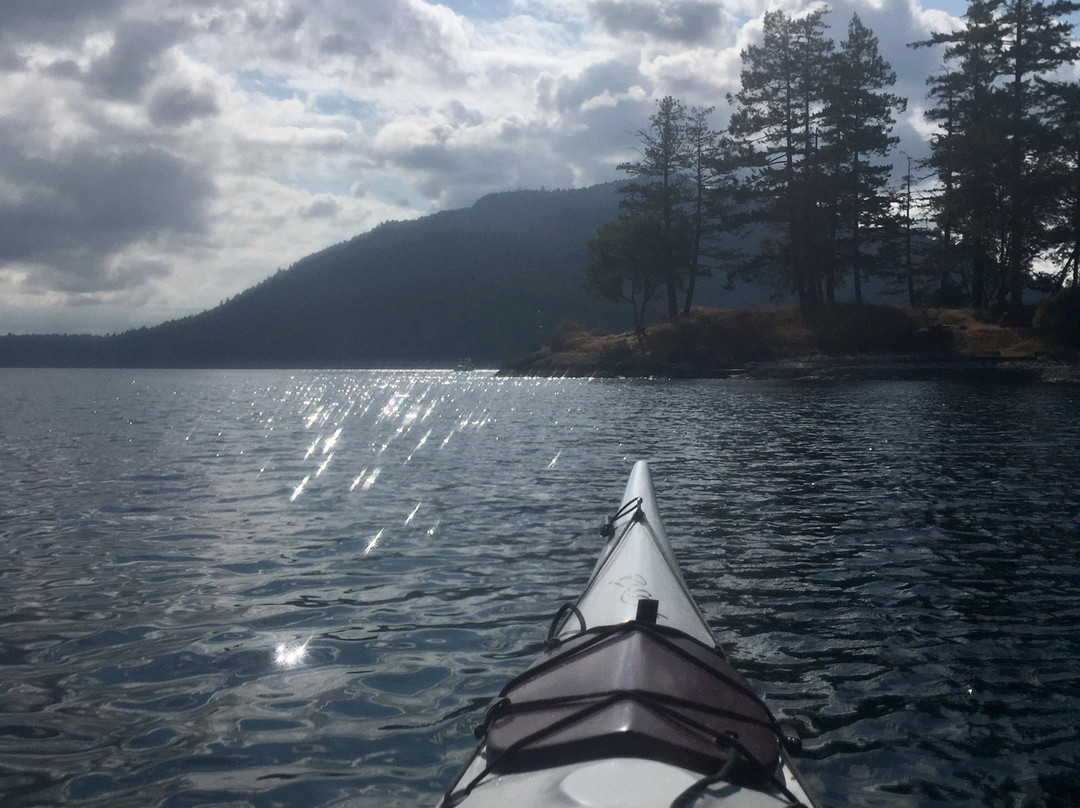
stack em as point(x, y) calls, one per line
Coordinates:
point(1016, 265)
point(856, 246)
point(695, 248)
point(830, 277)
point(978, 278)
point(690, 283)
point(910, 269)
point(856, 254)
point(908, 264)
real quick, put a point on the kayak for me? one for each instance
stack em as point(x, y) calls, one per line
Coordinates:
point(633, 703)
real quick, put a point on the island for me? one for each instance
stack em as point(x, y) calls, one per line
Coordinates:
point(838, 342)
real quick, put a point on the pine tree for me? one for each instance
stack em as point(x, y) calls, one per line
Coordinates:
point(969, 151)
point(710, 176)
point(1063, 216)
point(996, 98)
point(858, 117)
point(776, 114)
point(1037, 42)
point(660, 190)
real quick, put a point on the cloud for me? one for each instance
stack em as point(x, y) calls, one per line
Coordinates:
point(180, 105)
point(321, 207)
point(53, 21)
point(133, 59)
point(681, 22)
point(75, 210)
point(570, 94)
point(379, 42)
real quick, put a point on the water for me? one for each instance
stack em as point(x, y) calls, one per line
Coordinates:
point(300, 588)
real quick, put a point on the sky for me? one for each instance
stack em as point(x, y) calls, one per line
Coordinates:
point(160, 156)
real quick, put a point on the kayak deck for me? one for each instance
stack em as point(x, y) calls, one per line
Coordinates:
point(617, 783)
point(632, 703)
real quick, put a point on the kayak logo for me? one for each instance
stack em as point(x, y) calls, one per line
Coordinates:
point(634, 588)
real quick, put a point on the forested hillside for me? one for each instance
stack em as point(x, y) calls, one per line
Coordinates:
point(484, 283)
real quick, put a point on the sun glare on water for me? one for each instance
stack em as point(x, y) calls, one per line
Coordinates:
point(290, 655)
point(373, 542)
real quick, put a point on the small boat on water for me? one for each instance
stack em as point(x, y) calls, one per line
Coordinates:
point(633, 703)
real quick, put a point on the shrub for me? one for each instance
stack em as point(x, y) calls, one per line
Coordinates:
point(846, 328)
point(566, 333)
point(1058, 318)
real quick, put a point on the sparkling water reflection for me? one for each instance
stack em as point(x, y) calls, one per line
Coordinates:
point(273, 588)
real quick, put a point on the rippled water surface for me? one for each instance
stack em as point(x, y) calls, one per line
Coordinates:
point(300, 588)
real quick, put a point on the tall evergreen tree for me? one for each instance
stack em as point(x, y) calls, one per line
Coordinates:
point(858, 118)
point(1037, 41)
point(916, 270)
point(659, 189)
point(709, 175)
point(1063, 217)
point(776, 114)
point(947, 88)
point(968, 150)
point(995, 92)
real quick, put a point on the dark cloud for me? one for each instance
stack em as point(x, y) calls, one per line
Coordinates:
point(87, 288)
point(63, 69)
point(134, 58)
point(686, 22)
point(280, 19)
point(567, 94)
point(10, 61)
point(460, 115)
point(54, 20)
point(179, 106)
point(337, 44)
point(380, 36)
point(456, 175)
point(323, 207)
point(78, 210)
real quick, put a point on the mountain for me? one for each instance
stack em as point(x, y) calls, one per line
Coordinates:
point(484, 283)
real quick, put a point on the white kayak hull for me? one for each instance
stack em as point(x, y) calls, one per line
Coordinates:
point(635, 600)
point(638, 562)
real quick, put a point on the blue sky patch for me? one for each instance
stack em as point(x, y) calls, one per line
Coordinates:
point(340, 104)
point(255, 81)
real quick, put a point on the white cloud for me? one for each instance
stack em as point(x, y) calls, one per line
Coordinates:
point(157, 157)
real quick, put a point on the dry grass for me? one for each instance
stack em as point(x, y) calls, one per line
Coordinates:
point(841, 330)
point(973, 336)
point(733, 335)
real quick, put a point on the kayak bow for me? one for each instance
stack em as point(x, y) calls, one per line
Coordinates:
point(632, 704)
